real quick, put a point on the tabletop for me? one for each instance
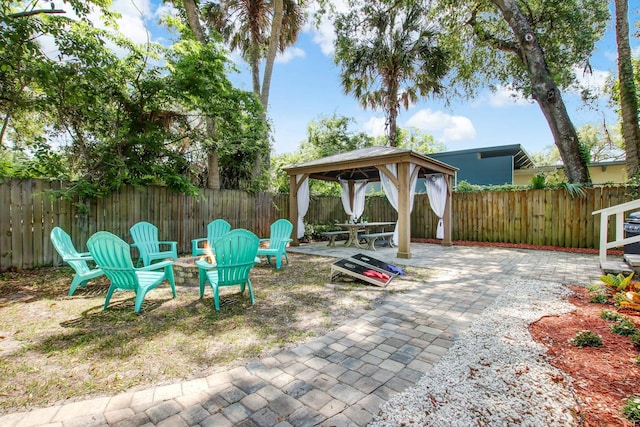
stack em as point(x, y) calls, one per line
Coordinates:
point(366, 224)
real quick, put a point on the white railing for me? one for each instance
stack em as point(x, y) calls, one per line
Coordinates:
point(619, 212)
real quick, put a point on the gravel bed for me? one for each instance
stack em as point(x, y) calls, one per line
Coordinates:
point(495, 374)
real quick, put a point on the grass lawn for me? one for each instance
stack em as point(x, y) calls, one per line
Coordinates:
point(54, 347)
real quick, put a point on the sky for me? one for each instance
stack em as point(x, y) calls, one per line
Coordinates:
point(306, 86)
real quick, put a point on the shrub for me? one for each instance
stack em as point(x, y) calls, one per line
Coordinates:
point(594, 287)
point(625, 327)
point(631, 409)
point(635, 340)
point(613, 316)
point(587, 339)
point(598, 298)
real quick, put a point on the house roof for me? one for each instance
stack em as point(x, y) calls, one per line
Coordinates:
point(362, 164)
point(521, 159)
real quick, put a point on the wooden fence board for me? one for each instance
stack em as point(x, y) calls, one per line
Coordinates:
point(5, 226)
point(17, 231)
point(37, 222)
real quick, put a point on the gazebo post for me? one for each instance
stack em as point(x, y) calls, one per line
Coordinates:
point(404, 211)
point(293, 208)
point(448, 218)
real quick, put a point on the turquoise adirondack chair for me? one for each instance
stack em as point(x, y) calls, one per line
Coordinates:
point(279, 237)
point(77, 260)
point(216, 229)
point(235, 257)
point(113, 255)
point(145, 239)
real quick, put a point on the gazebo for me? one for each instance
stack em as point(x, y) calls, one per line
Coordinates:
point(396, 168)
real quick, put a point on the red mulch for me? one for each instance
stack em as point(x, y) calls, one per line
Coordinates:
point(602, 376)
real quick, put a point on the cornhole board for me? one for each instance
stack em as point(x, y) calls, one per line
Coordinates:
point(375, 262)
point(354, 268)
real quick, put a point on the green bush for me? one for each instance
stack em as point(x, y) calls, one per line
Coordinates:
point(599, 298)
point(314, 231)
point(612, 316)
point(587, 339)
point(635, 340)
point(631, 409)
point(625, 327)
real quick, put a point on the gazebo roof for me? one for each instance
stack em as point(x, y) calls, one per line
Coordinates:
point(362, 164)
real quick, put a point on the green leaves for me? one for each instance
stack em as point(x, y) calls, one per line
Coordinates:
point(389, 56)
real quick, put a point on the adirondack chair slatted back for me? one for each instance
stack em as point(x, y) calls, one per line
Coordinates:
point(235, 256)
point(280, 234)
point(113, 255)
point(78, 261)
point(145, 239)
point(215, 229)
point(145, 236)
point(64, 246)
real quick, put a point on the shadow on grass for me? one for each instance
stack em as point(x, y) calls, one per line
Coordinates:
point(173, 338)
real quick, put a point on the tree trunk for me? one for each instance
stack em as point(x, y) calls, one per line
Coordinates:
point(628, 94)
point(546, 92)
point(392, 113)
point(272, 51)
point(213, 176)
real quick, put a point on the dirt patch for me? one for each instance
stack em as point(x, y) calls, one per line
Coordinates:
point(602, 376)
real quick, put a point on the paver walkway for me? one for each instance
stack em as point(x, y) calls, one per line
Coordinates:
point(342, 378)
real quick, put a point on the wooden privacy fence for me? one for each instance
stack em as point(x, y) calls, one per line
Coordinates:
point(28, 213)
point(540, 217)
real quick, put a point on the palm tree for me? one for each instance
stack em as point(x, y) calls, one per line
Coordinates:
point(389, 57)
point(628, 93)
point(259, 29)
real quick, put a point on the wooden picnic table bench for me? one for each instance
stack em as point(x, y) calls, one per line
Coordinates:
point(372, 237)
point(332, 235)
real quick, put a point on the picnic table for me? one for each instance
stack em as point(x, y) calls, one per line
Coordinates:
point(368, 227)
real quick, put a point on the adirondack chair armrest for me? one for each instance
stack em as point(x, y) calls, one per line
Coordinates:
point(156, 266)
point(264, 240)
point(204, 264)
point(85, 256)
point(173, 245)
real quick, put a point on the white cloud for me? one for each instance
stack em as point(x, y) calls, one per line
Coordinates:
point(375, 126)
point(444, 127)
point(505, 96)
point(289, 54)
point(324, 34)
point(132, 23)
point(593, 81)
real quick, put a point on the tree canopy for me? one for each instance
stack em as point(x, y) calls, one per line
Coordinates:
point(389, 56)
point(533, 47)
point(104, 119)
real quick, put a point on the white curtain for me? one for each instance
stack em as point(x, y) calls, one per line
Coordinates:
point(437, 191)
point(303, 203)
point(391, 191)
point(359, 191)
